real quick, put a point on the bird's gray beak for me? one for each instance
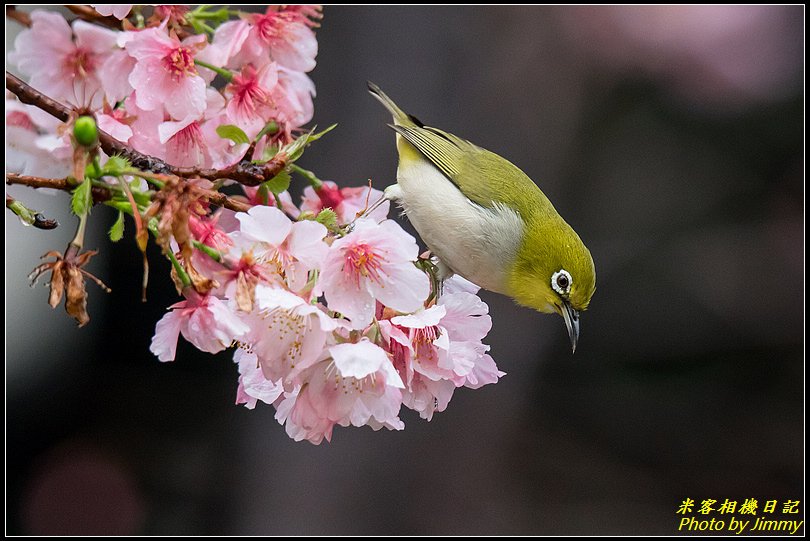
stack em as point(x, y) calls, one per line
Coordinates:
point(571, 318)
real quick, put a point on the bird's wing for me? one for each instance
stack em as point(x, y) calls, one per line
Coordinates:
point(459, 160)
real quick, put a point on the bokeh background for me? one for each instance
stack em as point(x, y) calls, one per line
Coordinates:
point(671, 138)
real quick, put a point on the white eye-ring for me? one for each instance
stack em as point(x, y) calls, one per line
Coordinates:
point(561, 282)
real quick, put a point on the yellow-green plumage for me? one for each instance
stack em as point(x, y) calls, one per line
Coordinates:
point(514, 227)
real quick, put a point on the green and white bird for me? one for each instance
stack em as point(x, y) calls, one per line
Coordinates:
point(485, 220)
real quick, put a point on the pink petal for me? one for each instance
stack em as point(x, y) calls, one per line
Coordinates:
point(114, 75)
point(252, 381)
point(296, 48)
point(168, 129)
point(94, 38)
point(405, 289)
point(342, 296)
point(228, 39)
point(456, 283)
point(360, 199)
point(167, 331)
point(467, 316)
point(306, 243)
point(149, 44)
point(119, 11)
point(120, 131)
point(484, 373)
point(185, 97)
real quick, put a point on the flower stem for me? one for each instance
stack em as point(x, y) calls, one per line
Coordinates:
point(78, 240)
point(314, 181)
point(146, 175)
point(178, 268)
point(216, 255)
point(225, 74)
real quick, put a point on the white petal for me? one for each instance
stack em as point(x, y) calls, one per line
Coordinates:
point(265, 224)
point(421, 318)
point(358, 360)
point(269, 298)
point(306, 243)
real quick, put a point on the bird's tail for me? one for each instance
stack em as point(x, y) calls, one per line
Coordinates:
point(401, 118)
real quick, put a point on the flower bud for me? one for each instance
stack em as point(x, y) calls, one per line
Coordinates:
point(85, 131)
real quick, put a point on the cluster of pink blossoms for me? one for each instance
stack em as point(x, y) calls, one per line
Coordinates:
point(332, 330)
point(332, 313)
point(167, 107)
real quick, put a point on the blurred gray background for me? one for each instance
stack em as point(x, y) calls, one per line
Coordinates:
point(671, 138)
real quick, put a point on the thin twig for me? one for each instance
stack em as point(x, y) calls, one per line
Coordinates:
point(99, 194)
point(30, 216)
point(244, 172)
point(21, 17)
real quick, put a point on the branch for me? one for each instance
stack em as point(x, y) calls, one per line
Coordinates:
point(221, 200)
point(27, 94)
point(21, 17)
point(101, 194)
point(29, 216)
point(244, 172)
point(86, 13)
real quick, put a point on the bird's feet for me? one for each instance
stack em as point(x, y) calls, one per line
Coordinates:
point(437, 271)
point(392, 193)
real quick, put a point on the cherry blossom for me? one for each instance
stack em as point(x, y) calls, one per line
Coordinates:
point(374, 261)
point(355, 386)
point(250, 102)
point(253, 386)
point(289, 40)
point(204, 320)
point(63, 61)
point(287, 334)
point(293, 96)
point(293, 248)
point(164, 75)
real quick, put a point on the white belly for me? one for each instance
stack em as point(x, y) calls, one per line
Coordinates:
point(476, 242)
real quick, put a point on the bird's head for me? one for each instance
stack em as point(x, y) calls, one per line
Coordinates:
point(553, 272)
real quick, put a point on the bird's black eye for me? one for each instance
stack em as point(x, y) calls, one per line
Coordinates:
point(561, 282)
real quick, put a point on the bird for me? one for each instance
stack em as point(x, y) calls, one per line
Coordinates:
point(487, 221)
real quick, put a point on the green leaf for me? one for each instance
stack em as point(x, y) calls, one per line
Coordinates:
point(82, 199)
point(234, 133)
point(268, 154)
point(279, 183)
point(328, 218)
point(117, 229)
point(116, 166)
point(295, 149)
